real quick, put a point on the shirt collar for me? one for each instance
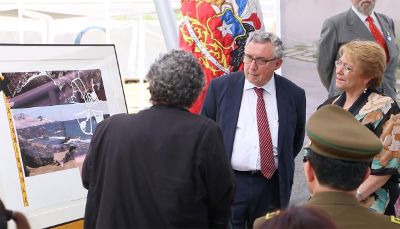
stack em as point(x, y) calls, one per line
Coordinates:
point(364, 17)
point(269, 87)
point(333, 198)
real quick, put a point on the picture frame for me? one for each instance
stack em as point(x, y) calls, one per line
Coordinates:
point(51, 99)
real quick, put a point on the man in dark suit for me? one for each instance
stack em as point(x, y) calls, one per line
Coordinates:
point(359, 22)
point(262, 117)
point(162, 167)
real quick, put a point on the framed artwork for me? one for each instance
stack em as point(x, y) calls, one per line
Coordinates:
point(51, 99)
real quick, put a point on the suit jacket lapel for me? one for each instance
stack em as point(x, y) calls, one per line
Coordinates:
point(283, 109)
point(233, 101)
point(356, 26)
point(386, 33)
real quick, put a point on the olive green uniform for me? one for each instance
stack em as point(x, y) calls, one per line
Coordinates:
point(346, 211)
point(335, 133)
point(332, 132)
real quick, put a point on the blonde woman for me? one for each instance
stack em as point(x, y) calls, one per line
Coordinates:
point(359, 71)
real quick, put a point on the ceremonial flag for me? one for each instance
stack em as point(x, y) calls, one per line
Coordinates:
point(215, 31)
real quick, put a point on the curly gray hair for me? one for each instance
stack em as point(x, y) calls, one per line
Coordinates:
point(264, 37)
point(175, 79)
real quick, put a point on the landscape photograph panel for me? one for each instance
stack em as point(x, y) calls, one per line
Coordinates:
point(55, 114)
point(56, 138)
point(48, 88)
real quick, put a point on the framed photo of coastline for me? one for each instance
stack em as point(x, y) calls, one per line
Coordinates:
point(51, 99)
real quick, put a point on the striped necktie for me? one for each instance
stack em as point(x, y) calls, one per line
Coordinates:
point(378, 36)
point(266, 149)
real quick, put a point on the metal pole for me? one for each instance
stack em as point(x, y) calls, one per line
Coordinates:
point(167, 21)
point(21, 26)
point(107, 18)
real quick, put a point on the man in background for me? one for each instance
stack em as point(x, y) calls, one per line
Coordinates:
point(262, 117)
point(359, 22)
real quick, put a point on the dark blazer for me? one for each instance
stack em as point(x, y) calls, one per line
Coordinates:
point(343, 28)
point(160, 168)
point(222, 104)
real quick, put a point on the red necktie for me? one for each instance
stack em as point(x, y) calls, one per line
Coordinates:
point(378, 36)
point(266, 153)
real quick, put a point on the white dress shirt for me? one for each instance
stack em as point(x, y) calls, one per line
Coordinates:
point(363, 18)
point(246, 147)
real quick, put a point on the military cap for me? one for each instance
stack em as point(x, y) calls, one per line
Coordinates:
point(335, 133)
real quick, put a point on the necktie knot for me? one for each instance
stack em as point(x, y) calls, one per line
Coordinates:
point(378, 36)
point(259, 91)
point(370, 20)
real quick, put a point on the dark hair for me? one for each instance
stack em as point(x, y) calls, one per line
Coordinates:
point(301, 217)
point(6, 215)
point(337, 174)
point(175, 79)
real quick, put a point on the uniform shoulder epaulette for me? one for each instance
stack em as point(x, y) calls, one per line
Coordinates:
point(271, 215)
point(395, 220)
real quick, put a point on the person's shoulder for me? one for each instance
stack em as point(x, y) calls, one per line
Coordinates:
point(227, 77)
point(115, 121)
point(394, 221)
point(200, 124)
point(379, 101)
point(198, 118)
point(288, 84)
point(120, 117)
point(223, 82)
point(258, 223)
point(123, 119)
point(206, 122)
point(363, 217)
point(338, 17)
point(112, 119)
point(330, 100)
point(370, 218)
point(175, 114)
point(383, 16)
point(382, 220)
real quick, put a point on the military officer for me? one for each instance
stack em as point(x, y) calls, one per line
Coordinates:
point(296, 217)
point(337, 162)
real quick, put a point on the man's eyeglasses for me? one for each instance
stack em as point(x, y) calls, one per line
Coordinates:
point(247, 59)
point(346, 69)
point(306, 153)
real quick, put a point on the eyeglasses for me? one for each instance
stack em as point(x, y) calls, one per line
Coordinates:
point(346, 69)
point(247, 59)
point(306, 153)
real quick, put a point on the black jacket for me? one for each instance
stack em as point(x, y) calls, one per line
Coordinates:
point(160, 168)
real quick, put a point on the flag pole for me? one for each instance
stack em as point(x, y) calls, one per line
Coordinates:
point(167, 21)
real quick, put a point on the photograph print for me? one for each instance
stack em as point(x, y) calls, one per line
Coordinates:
point(55, 114)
